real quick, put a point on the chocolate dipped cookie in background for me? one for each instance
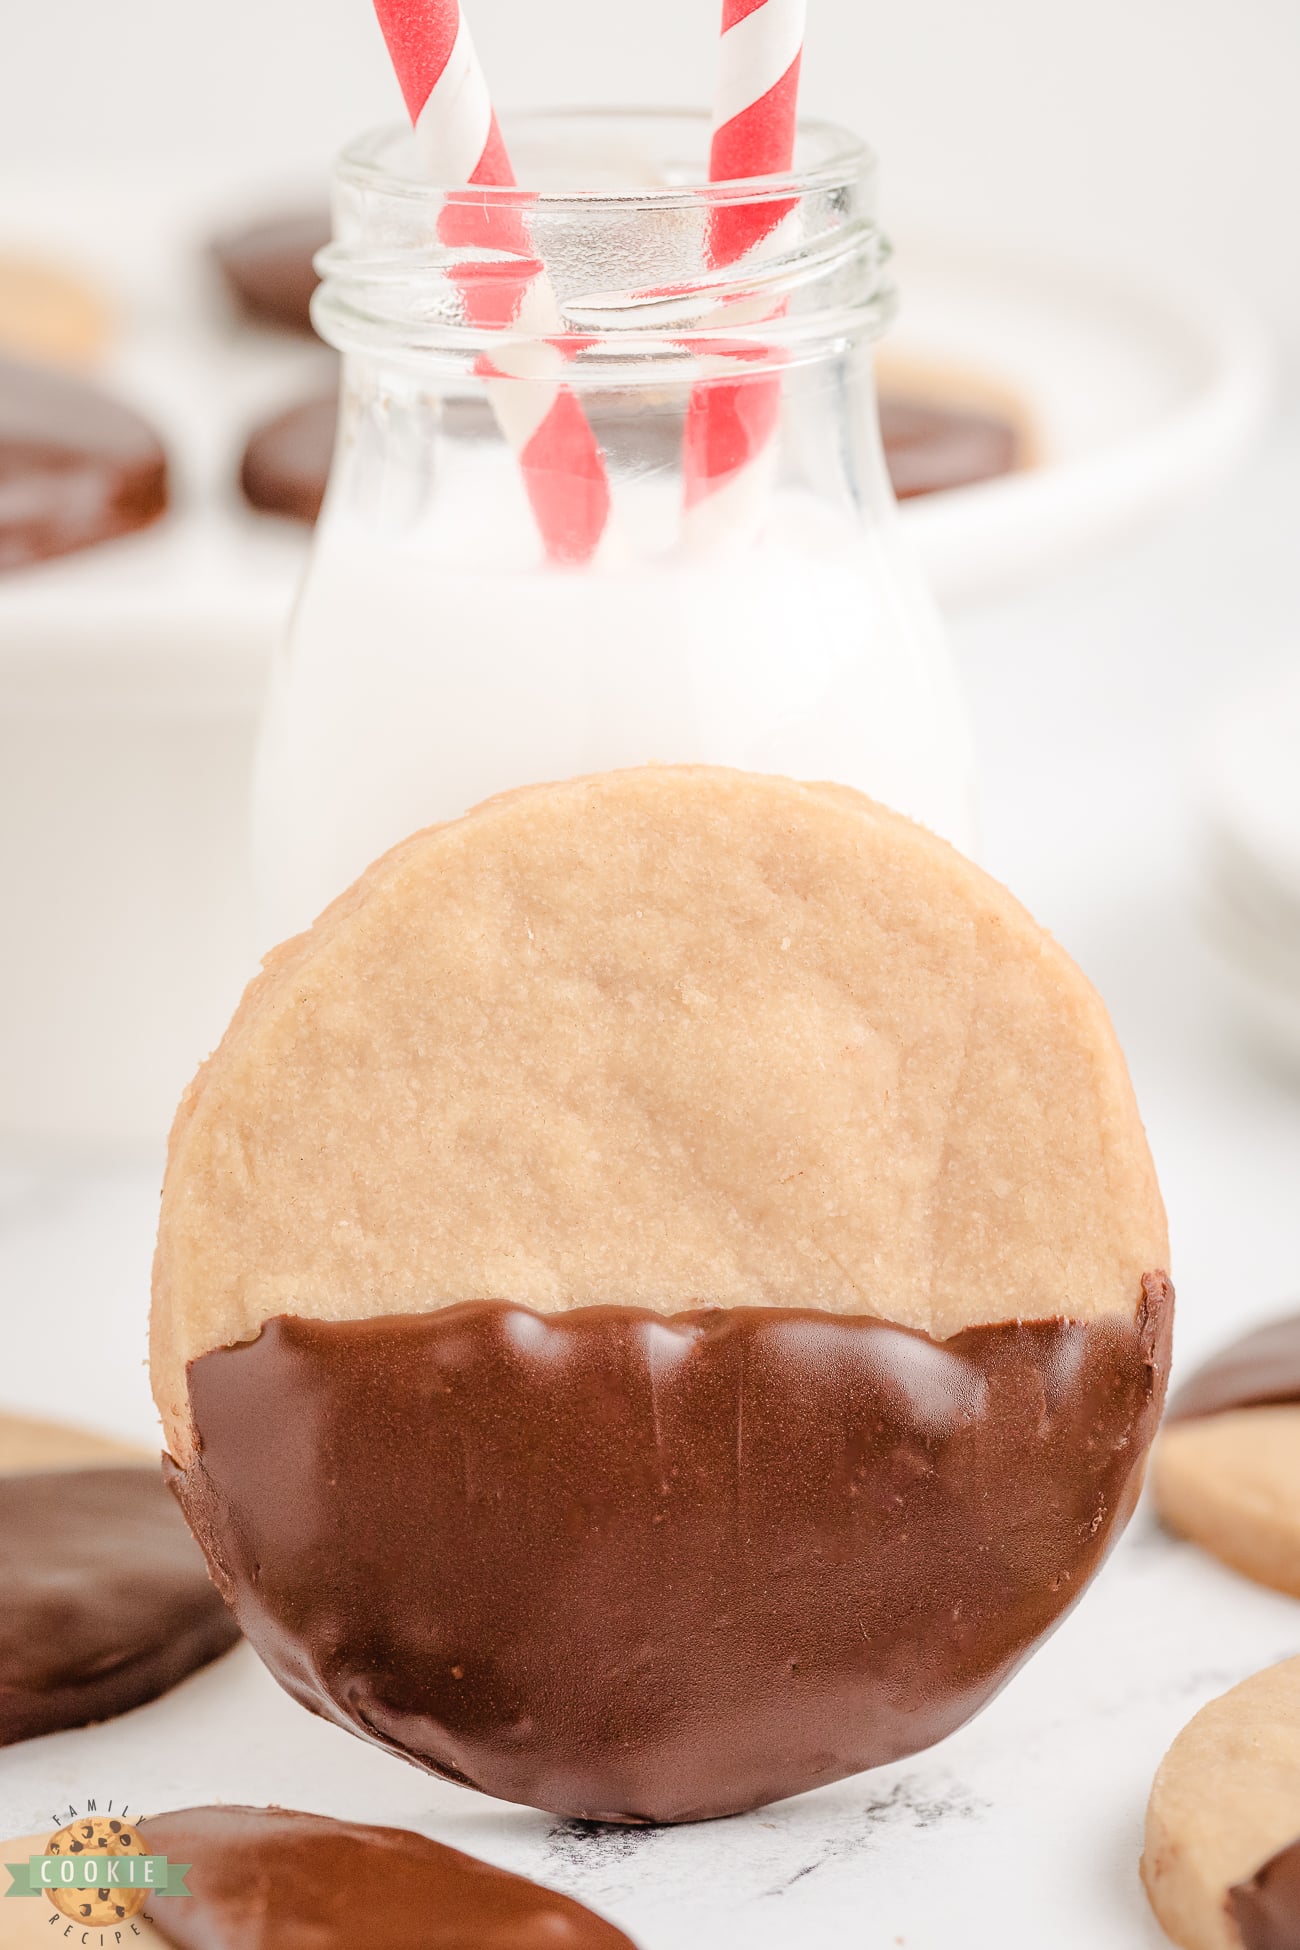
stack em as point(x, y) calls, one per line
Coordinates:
point(1226, 1470)
point(104, 1600)
point(659, 1299)
point(930, 447)
point(1222, 1858)
point(280, 1880)
point(77, 466)
point(268, 266)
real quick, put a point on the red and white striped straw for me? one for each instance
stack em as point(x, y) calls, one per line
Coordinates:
point(458, 140)
point(730, 422)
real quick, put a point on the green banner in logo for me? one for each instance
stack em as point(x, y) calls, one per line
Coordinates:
point(40, 1874)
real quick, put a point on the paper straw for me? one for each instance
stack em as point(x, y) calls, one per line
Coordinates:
point(458, 140)
point(730, 422)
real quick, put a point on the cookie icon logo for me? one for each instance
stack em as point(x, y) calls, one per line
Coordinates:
point(97, 1869)
point(110, 1902)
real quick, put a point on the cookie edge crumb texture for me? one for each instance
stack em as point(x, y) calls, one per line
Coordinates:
point(1200, 1838)
point(1212, 1479)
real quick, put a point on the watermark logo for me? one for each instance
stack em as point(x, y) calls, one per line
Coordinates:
point(97, 1870)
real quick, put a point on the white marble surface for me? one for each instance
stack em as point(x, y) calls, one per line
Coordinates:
point(1091, 696)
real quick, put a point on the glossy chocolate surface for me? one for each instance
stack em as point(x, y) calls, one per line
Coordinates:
point(640, 1568)
point(930, 447)
point(76, 466)
point(1262, 1367)
point(287, 460)
point(276, 1880)
point(1266, 1909)
point(268, 269)
point(104, 1600)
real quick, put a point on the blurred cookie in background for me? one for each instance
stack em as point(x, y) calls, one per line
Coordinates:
point(51, 315)
point(77, 466)
point(930, 448)
point(268, 270)
point(932, 443)
point(27, 1444)
point(943, 428)
point(1226, 1467)
point(286, 462)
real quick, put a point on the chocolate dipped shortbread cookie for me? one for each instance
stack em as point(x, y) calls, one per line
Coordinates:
point(659, 1296)
point(1226, 1470)
point(1222, 1858)
point(77, 466)
point(104, 1600)
point(268, 267)
point(280, 1880)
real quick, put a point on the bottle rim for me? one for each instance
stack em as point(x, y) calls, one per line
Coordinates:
point(616, 206)
point(382, 160)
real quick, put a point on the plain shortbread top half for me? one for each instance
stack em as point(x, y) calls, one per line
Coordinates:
point(672, 1038)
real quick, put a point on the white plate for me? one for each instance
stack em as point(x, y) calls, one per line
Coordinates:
point(1138, 402)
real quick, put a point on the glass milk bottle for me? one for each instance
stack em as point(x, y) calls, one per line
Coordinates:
point(440, 652)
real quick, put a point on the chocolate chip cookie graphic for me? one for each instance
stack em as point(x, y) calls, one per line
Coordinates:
point(1226, 1468)
point(1222, 1858)
point(98, 1835)
point(683, 1247)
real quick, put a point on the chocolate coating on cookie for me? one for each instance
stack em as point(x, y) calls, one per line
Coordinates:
point(1262, 1367)
point(930, 447)
point(76, 466)
point(646, 1569)
point(287, 1881)
point(1266, 1908)
point(269, 270)
point(286, 463)
point(104, 1599)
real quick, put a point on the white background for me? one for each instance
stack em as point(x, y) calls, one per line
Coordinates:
point(1158, 134)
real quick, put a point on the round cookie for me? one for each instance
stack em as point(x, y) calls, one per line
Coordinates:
point(98, 1835)
point(28, 1445)
point(286, 462)
point(48, 315)
point(282, 1880)
point(1222, 1858)
point(931, 447)
point(668, 1168)
point(269, 270)
point(106, 1600)
point(1226, 1469)
point(77, 467)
